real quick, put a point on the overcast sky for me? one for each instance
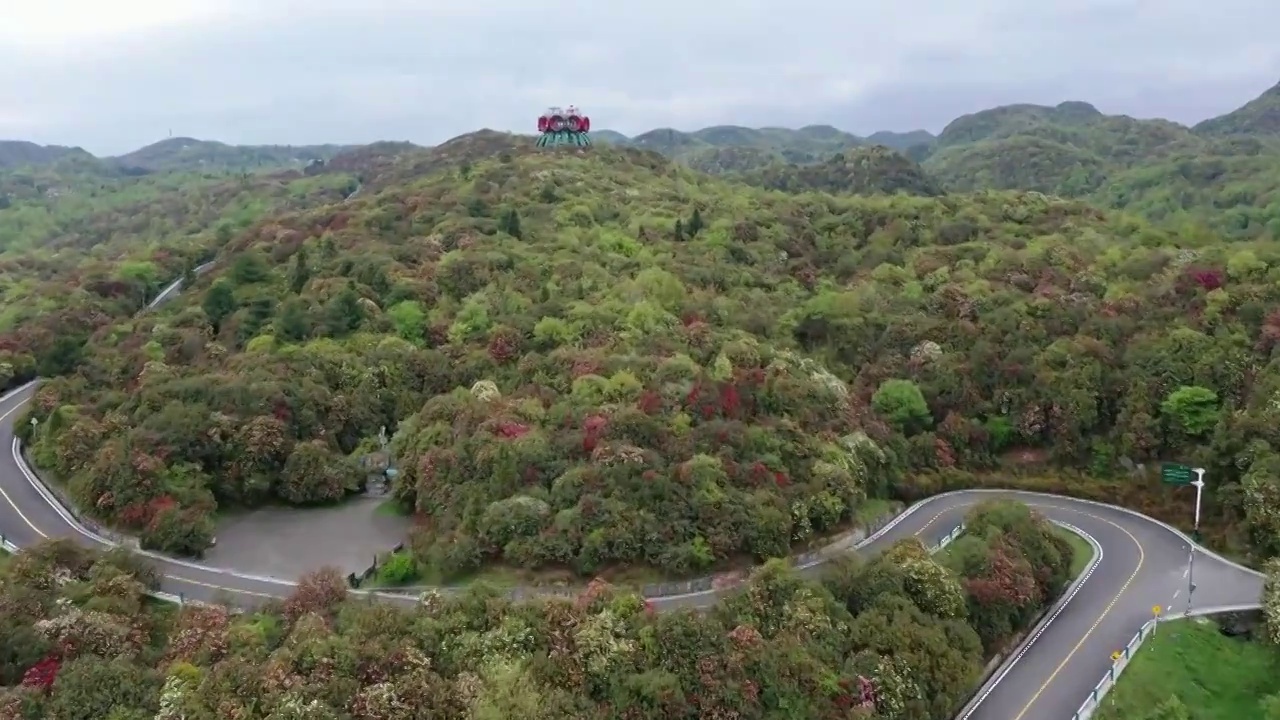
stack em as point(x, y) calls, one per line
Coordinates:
point(113, 75)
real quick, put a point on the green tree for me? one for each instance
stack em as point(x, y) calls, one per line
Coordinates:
point(180, 531)
point(409, 319)
point(292, 325)
point(314, 474)
point(248, 268)
point(695, 223)
point(1192, 410)
point(1270, 707)
point(91, 688)
point(510, 223)
point(299, 272)
point(219, 302)
point(343, 313)
point(1271, 601)
point(902, 403)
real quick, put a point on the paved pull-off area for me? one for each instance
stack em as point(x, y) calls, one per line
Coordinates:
point(1142, 564)
point(286, 542)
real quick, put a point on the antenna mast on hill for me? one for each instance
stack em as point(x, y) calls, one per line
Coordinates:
point(564, 127)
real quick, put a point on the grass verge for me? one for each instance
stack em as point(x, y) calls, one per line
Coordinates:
point(1081, 550)
point(1214, 676)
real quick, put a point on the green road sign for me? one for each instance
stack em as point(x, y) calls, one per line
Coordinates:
point(1175, 474)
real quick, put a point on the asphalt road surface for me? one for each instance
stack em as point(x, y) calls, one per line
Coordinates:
point(1142, 564)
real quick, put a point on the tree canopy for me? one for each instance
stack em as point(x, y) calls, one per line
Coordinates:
point(887, 639)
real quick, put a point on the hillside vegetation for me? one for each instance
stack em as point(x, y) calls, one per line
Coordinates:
point(899, 636)
point(732, 148)
point(1223, 174)
point(611, 359)
point(81, 246)
point(172, 154)
point(1219, 177)
point(183, 153)
point(859, 171)
point(19, 153)
point(602, 358)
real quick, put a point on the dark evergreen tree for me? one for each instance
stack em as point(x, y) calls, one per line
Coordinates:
point(695, 223)
point(510, 224)
point(219, 302)
point(344, 312)
point(300, 272)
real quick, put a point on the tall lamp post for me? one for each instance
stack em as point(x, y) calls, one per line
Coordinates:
point(1195, 537)
point(1177, 474)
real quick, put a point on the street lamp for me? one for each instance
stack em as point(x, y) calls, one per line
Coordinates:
point(1195, 537)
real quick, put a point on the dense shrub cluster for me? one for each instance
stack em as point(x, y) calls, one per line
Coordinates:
point(82, 245)
point(900, 636)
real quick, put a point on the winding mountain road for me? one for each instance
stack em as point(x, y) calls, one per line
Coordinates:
point(1139, 563)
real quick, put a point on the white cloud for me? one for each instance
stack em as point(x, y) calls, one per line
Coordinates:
point(63, 26)
point(115, 75)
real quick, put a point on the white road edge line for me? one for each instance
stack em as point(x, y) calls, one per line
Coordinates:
point(1044, 625)
point(8, 499)
point(74, 524)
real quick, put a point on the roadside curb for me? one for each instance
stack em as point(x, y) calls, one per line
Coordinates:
point(987, 684)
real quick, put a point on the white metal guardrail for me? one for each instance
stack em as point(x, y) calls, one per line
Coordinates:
point(1123, 657)
point(947, 539)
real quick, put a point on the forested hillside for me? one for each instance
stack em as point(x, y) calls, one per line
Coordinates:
point(172, 154)
point(183, 153)
point(1222, 176)
point(18, 153)
point(675, 353)
point(603, 358)
point(899, 636)
point(81, 246)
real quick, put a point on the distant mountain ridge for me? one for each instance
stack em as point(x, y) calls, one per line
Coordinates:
point(184, 152)
point(1223, 172)
point(812, 143)
point(178, 153)
point(19, 153)
point(1260, 116)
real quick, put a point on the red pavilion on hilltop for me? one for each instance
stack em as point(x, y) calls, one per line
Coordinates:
point(564, 127)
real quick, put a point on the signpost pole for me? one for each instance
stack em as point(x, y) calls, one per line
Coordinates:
point(1179, 474)
point(1199, 483)
point(1195, 536)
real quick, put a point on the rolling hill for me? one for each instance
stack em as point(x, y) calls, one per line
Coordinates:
point(172, 154)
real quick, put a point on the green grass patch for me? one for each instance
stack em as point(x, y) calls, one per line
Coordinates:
point(873, 508)
point(1081, 550)
point(1216, 677)
point(392, 507)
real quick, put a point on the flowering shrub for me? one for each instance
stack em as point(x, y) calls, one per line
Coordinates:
point(42, 674)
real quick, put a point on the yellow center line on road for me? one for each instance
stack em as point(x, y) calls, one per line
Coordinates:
point(934, 519)
point(1106, 611)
